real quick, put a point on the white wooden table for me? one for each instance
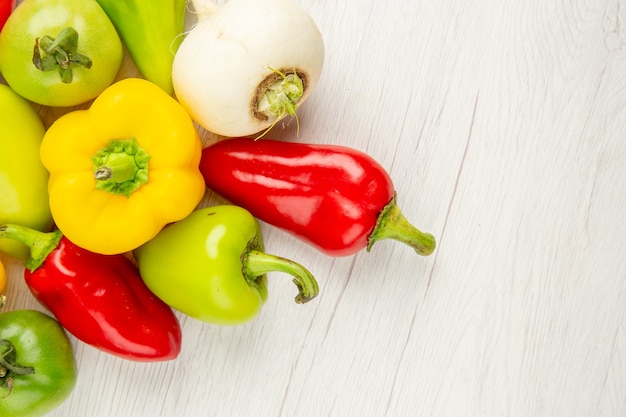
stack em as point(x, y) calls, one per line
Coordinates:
point(503, 125)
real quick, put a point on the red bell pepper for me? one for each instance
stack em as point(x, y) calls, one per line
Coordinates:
point(6, 7)
point(338, 199)
point(100, 299)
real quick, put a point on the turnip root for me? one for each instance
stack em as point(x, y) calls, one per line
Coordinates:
point(247, 64)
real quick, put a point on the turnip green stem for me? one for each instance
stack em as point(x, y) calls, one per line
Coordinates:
point(392, 224)
point(257, 263)
point(279, 95)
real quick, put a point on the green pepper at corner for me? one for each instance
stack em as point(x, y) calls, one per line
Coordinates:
point(211, 266)
point(37, 365)
point(59, 53)
point(152, 31)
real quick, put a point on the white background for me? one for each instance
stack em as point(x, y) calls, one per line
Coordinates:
point(503, 125)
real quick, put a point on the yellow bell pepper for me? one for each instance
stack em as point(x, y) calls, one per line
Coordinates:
point(122, 169)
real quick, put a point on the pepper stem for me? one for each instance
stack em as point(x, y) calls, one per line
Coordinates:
point(39, 243)
point(9, 366)
point(392, 224)
point(60, 53)
point(257, 263)
point(121, 167)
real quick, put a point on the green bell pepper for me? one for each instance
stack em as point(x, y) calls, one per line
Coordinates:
point(37, 365)
point(59, 53)
point(23, 178)
point(211, 266)
point(152, 31)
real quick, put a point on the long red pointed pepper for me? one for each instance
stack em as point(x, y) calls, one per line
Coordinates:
point(100, 299)
point(338, 199)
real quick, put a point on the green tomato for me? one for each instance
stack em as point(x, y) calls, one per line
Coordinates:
point(23, 178)
point(59, 52)
point(211, 266)
point(37, 366)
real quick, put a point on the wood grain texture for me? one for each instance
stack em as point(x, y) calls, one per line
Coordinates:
point(503, 124)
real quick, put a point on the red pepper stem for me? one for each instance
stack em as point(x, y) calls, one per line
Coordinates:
point(39, 243)
point(392, 224)
point(257, 263)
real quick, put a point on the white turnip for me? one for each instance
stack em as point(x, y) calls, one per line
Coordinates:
point(246, 64)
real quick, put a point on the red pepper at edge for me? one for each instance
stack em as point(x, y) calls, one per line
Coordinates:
point(6, 8)
point(338, 199)
point(100, 299)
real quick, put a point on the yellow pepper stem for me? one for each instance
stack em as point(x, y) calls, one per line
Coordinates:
point(121, 167)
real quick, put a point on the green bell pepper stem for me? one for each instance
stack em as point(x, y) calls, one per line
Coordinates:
point(9, 366)
point(60, 53)
point(257, 263)
point(392, 224)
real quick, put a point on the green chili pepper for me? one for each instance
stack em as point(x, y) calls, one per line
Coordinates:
point(211, 266)
point(152, 31)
